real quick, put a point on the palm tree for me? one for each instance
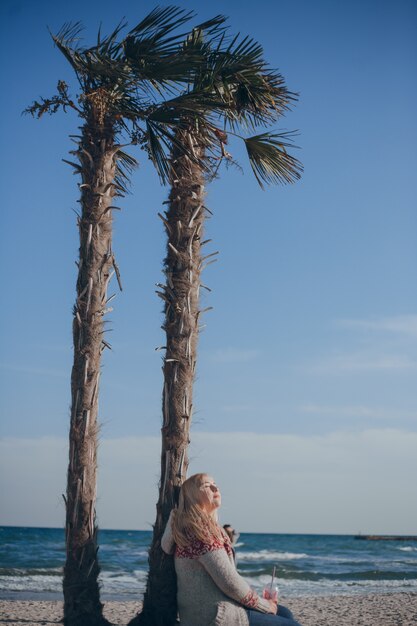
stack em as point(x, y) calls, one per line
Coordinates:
point(235, 87)
point(123, 83)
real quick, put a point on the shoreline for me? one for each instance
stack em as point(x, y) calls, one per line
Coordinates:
point(106, 598)
point(388, 609)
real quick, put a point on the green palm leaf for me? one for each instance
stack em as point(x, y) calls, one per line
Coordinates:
point(66, 40)
point(270, 160)
point(125, 164)
point(160, 22)
point(161, 59)
point(253, 94)
point(158, 145)
point(109, 46)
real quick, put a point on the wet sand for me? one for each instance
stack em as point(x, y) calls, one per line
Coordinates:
point(397, 609)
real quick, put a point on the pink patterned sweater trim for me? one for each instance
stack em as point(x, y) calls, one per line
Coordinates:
point(197, 548)
point(250, 600)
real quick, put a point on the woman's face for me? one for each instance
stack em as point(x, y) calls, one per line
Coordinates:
point(211, 495)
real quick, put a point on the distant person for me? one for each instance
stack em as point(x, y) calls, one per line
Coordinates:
point(209, 588)
point(231, 533)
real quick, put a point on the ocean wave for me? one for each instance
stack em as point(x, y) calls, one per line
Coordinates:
point(341, 559)
point(22, 572)
point(141, 574)
point(269, 555)
point(408, 549)
point(123, 576)
point(34, 583)
point(306, 565)
point(119, 583)
point(122, 583)
point(111, 551)
point(325, 587)
point(122, 546)
point(127, 585)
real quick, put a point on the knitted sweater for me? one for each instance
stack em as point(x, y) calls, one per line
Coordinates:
point(210, 592)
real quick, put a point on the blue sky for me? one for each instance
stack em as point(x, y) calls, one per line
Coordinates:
point(314, 329)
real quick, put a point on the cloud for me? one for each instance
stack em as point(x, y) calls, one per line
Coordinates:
point(362, 362)
point(336, 483)
point(239, 408)
point(37, 371)
point(234, 355)
point(400, 324)
point(358, 411)
point(387, 346)
point(33, 479)
point(339, 482)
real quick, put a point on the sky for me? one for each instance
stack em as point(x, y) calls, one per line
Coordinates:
point(305, 397)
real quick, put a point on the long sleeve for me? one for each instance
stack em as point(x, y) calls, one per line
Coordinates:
point(167, 541)
point(222, 571)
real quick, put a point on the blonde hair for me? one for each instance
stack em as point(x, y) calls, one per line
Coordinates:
point(189, 519)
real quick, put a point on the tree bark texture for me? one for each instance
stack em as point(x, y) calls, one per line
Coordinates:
point(184, 223)
point(96, 154)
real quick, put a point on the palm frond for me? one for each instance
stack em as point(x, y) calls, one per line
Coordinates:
point(270, 160)
point(97, 65)
point(161, 58)
point(254, 94)
point(158, 149)
point(125, 165)
point(188, 107)
point(160, 22)
point(157, 69)
point(163, 141)
point(109, 45)
point(69, 34)
point(208, 32)
point(102, 70)
point(130, 107)
point(248, 49)
point(66, 40)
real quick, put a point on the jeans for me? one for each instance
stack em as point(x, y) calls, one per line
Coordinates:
point(283, 617)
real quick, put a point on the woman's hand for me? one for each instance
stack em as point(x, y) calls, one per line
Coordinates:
point(273, 606)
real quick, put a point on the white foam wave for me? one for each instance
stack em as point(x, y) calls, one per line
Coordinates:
point(122, 575)
point(140, 574)
point(267, 555)
point(114, 582)
point(408, 549)
point(124, 584)
point(42, 583)
point(22, 572)
point(344, 559)
point(324, 587)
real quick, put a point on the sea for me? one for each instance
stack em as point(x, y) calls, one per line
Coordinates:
point(31, 563)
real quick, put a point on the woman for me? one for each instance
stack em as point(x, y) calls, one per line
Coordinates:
point(210, 592)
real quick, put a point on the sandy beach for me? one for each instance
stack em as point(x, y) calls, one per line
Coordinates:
point(398, 609)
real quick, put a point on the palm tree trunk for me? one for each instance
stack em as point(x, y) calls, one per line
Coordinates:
point(184, 225)
point(96, 151)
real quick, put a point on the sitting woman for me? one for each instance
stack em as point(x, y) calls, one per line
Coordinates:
point(210, 592)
